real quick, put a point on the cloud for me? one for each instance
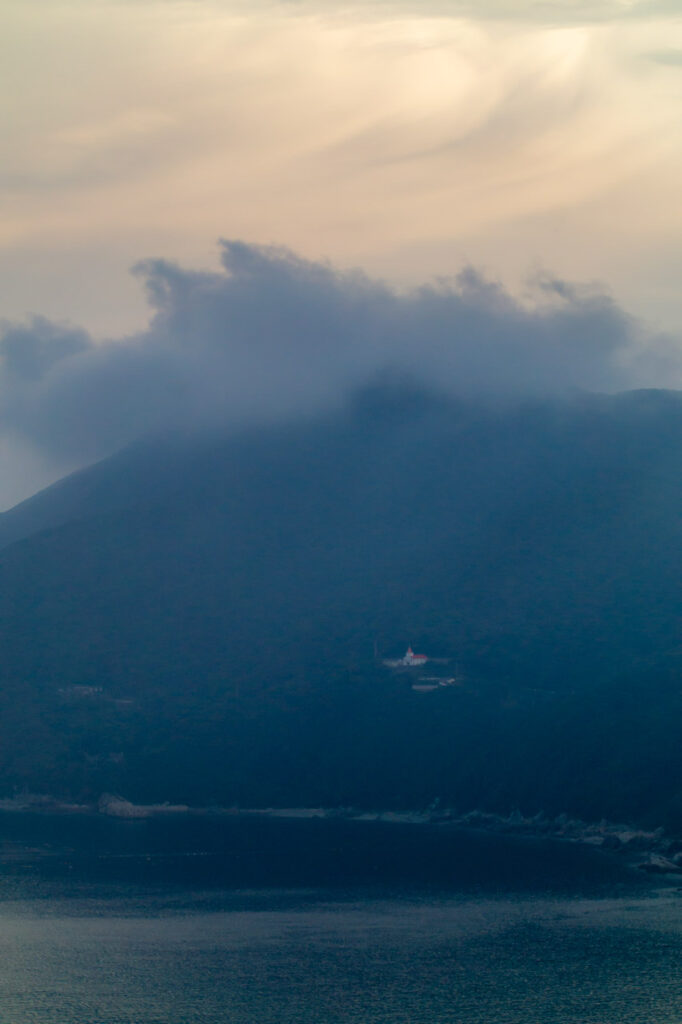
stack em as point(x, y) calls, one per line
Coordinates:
point(669, 58)
point(29, 351)
point(403, 136)
point(273, 335)
point(555, 12)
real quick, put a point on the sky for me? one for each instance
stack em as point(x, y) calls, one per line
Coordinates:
point(395, 178)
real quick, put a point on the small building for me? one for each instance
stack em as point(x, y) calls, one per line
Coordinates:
point(414, 660)
point(409, 660)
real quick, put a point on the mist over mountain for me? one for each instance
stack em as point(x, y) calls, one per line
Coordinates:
point(233, 593)
point(272, 336)
point(304, 471)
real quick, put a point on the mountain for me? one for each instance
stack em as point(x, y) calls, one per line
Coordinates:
point(198, 619)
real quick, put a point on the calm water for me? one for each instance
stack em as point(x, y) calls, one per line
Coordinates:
point(271, 921)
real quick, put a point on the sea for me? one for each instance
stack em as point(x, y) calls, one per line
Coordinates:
point(225, 918)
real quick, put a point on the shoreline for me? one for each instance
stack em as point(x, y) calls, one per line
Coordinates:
point(650, 851)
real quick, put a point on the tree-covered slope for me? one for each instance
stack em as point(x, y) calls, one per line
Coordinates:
point(228, 595)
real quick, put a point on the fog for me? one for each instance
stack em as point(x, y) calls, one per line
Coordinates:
point(273, 335)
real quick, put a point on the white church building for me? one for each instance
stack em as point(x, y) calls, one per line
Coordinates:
point(412, 659)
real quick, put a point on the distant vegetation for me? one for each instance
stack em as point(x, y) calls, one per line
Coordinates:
point(228, 595)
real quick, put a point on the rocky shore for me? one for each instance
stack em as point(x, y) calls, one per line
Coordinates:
point(653, 851)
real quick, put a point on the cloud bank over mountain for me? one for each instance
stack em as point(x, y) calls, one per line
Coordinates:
point(409, 138)
point(273, 335)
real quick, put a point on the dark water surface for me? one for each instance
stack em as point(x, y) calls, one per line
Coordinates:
point(198, 920)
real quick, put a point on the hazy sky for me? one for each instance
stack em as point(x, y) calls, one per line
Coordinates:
point(410, 139)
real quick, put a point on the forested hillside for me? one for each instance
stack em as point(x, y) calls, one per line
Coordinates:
point(204, 620)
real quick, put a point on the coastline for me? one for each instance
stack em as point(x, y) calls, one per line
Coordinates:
point(652, 851)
